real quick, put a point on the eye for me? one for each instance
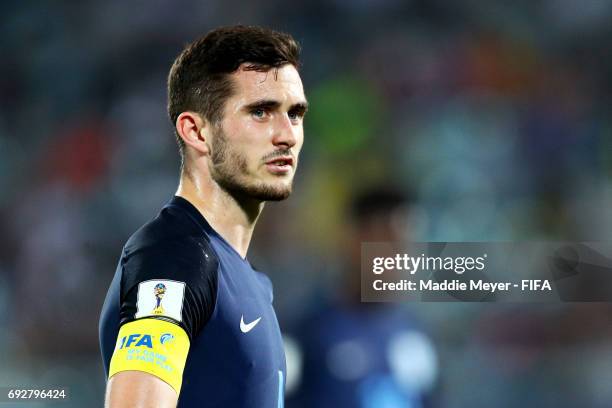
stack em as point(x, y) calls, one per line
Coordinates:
point(259, 113)
point(295, 115)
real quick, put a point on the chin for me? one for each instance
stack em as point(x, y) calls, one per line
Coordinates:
point(260, 191)
point(274, 189)
point(270, 192)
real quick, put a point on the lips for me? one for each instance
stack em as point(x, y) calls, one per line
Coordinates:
point(281, 161)
point(280, 165)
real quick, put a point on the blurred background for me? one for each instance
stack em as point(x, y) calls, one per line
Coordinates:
point(430, 120)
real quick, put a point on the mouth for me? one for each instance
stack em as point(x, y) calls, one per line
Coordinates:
point(280, 165)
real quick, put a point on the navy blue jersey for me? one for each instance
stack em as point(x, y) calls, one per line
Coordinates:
point(178, 269)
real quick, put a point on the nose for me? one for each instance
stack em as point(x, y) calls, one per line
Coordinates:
point(284, 132)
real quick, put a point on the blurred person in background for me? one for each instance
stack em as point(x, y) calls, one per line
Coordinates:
point(365, 355)
point(187, 319)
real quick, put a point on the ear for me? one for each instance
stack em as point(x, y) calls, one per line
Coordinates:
point(193, 129)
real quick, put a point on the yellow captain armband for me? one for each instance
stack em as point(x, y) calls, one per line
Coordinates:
point(154, 346)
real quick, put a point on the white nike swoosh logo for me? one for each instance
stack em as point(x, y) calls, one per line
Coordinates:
point(245, 328)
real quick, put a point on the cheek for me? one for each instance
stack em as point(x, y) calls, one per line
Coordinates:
point(244, 144)
point(247, 132)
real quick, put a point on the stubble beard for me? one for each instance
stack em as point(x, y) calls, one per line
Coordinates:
point(230, 171)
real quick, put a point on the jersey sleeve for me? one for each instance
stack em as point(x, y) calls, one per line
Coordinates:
point(168, 293)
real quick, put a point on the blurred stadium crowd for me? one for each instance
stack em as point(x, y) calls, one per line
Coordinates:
point(493, 117)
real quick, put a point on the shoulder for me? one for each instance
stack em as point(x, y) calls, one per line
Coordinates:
point(171, 227)
point(169, 271)
point(171, 246)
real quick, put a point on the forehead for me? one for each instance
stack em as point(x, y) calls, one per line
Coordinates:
point(282, 84)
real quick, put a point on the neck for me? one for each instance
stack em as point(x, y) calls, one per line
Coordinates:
point(232, 217)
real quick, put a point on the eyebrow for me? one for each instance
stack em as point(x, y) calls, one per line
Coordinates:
point(272, 104)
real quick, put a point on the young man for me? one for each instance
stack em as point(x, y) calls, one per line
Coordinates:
point(187, 320)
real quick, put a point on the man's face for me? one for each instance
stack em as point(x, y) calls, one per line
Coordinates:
point(255, 147)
